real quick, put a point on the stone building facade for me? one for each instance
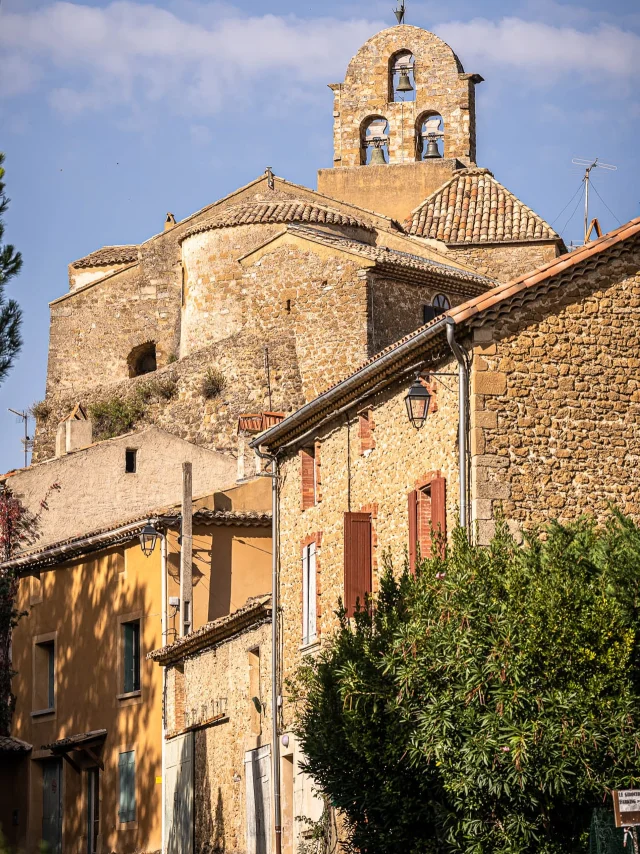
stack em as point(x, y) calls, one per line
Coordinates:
point(553, 403)
point(195, 298)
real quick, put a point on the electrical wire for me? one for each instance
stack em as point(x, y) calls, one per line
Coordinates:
point(571, 216)
point(569, 202)
point(593, 187)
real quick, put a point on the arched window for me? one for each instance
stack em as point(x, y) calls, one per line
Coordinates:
point(374, 141)
point(402, 82)
point(441, 303)
point(429, 136)
point(142, 359)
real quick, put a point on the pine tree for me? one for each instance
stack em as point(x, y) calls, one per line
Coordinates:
point(10, 313)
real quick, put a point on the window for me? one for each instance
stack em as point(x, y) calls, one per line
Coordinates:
point(428, 313)
point(127, 785)
point(366, 426)
point(255, 698)
point(142, 359)
point(131, 656)
point(357, 560)
point(309, 477)
point(130, 460)
point(429, 136)
point(93, 810)
point(374, 141)
point(402, 86)
point(45, 676)
point(309, 595)
point(427, 516)
point(441, 303)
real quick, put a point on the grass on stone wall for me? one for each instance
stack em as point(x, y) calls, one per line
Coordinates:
point(213, 383)
point(118, 415)
point(40, 410)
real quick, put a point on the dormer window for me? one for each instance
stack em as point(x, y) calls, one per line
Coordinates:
point(402, 84)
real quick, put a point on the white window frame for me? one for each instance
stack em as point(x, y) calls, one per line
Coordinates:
point(309, 594)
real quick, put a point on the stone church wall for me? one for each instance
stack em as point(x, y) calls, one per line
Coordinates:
point(505, 262)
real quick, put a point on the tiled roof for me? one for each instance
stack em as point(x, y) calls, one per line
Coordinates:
point(293, 210)
point(502, 299)
point(255, 609)
point(108, 255)
point(9, 744)
point(77, 740)
point(472, 207)
point(384, 256)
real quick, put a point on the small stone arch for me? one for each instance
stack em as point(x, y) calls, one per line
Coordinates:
point(432, 131)
point(142, 359)
point(401, 60)
point(374, 133)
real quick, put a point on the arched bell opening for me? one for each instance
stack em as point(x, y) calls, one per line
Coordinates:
point(402, 82)
point(374, 141)
point(429, 136)
point(142, 359)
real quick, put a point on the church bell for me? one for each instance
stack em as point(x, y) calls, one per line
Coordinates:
point(404, 84)
point(377, 157)
point(432, 150)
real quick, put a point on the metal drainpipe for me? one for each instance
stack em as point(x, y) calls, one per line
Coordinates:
point(275, 642)
point(164, 625)
point(463, 389)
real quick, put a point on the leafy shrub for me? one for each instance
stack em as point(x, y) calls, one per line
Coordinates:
point(487, 704)
point(213, 383)
point(40, 410)
point(115, 416)
point(163, 388)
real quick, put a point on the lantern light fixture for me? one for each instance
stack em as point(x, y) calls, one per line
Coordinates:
point(148, 539)
point(417, 402)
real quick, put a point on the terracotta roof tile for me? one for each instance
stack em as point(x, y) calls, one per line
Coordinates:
point(107, 256)
point(291, 210)
point(472, 207)
point(9, 744)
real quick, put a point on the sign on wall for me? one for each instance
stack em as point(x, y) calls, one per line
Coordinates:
point(626, 807)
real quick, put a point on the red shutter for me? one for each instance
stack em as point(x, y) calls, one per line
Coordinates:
point(413, 528)
point(439, 505)
point(357, 559)
point(308, 486)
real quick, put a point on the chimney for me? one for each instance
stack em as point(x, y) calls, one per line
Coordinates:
point(74, 433)
point(169, 222)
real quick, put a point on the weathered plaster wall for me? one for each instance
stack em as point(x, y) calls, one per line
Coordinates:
point(80, 276)
point(507, 261)
point(95, 491)
point(556, 402)
point(377, 481)
point(441, 87)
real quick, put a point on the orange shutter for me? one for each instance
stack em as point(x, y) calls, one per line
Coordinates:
point(308, 478)
point(413, 528)
point(439, 505)
point(357, 559)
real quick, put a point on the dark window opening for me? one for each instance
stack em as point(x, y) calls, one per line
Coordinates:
point(441, 302)
point(45, 676)
point(127, 780)
point(131, 656)
point(130, 459)
point(142, 359)
point(428, 313)
point(288, 306)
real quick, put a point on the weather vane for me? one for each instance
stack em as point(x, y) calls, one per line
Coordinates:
point(399, 12)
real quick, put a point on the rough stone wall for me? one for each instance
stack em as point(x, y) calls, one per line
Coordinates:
point(556, 403)
point(377, 480)
point(216, 681)
point(441, 87)
point(93, 330)
point(80, 276)
point(507, 261)
point(396, 308)
point(189, 414)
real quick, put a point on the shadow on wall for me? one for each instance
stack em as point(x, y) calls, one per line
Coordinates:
point(82, 602)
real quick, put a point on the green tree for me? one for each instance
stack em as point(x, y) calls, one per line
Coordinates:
point(10, 313)
point(486, 704)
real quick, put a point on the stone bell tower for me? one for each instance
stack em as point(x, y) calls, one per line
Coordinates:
point(404, 120)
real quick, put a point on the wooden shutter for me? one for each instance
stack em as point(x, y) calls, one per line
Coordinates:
point(413, 528)
point(127, 774)
point(357, 559)
point(308, 477)
point(439, 506)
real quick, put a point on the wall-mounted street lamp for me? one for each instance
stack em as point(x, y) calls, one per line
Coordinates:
point(148, 539)
point(417, 402)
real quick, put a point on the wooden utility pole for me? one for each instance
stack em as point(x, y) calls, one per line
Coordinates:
point(186, 552)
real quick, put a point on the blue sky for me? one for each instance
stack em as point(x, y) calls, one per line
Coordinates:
point(113, 113)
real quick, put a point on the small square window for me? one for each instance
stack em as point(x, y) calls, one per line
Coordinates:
point(130, 460)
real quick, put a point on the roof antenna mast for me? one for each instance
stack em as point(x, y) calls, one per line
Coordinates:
point(590, 164)
point(27, 442)
point(399, 12)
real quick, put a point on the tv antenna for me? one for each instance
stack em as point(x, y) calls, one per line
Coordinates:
point(399, 12)
point(27, 442)
point(590, 164)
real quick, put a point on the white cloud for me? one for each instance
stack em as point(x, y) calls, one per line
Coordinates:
point(543, 49)
point(193, 62)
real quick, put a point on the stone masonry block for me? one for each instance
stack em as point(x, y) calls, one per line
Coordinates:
point(489, 383)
